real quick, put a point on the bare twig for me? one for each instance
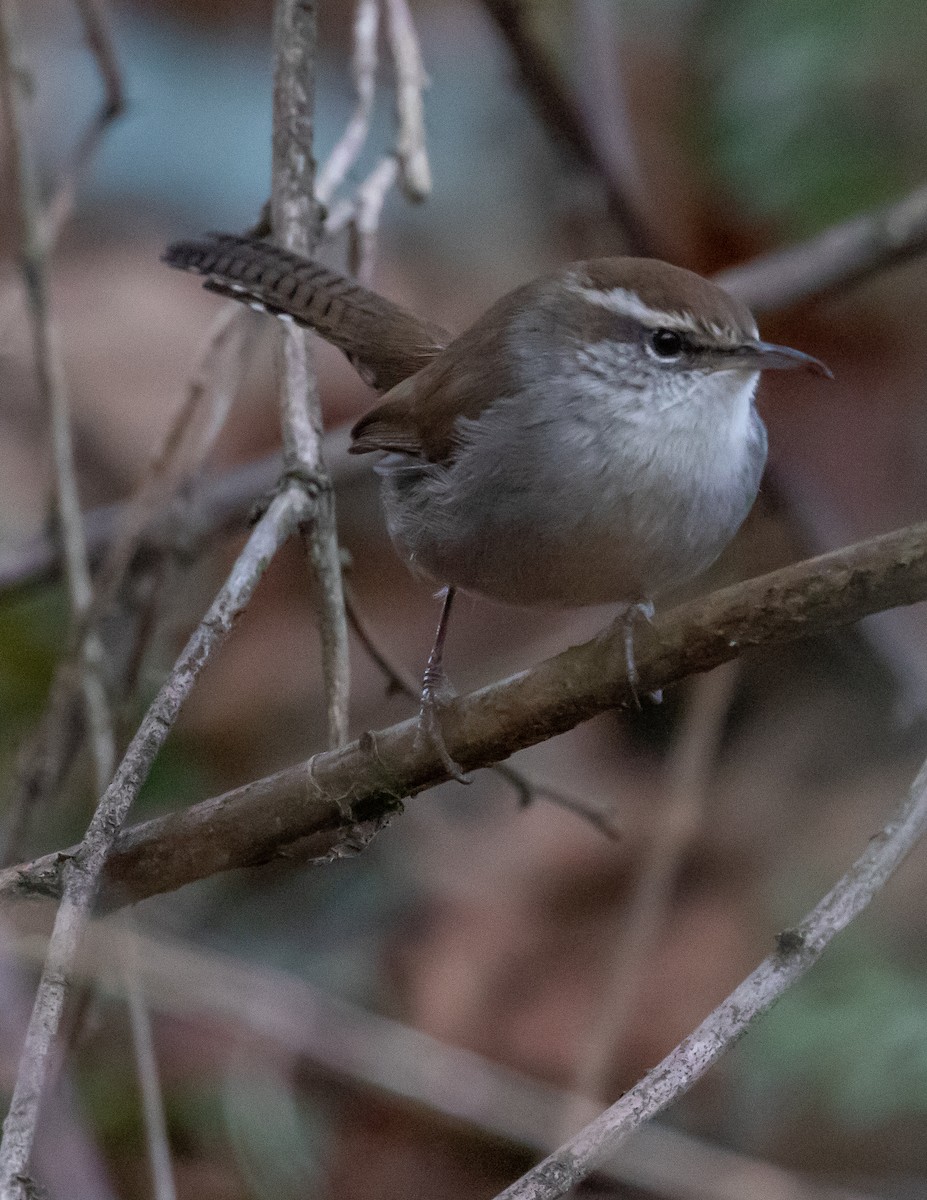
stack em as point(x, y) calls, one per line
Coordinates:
point(368, 202)
point(411, 81)
point(371, 1051)
point(81, 871)
point(348, 148)
point(558, 109)
point(66, 1157)
point(294, 220)
point(637, 924)
point(174, 467)
point(601, 95)
point(52, 386)
point(833, 259)
point(314, 804)
point(798, 949)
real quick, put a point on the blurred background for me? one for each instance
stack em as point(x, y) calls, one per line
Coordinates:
point(283, 998)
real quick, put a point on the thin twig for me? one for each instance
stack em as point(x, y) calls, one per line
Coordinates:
point(159, 1157)
point(411, 81)
point(294, 219)
point(81, 872)
point(373, 1052)
point(629, 939)
point(601, 96)
point(39, 233)
point(798, 949)
point(219, 504)
point(315, 803)
point(95, 20)
point(348, 148)
point(368, 207)
point(841, 255)
point(49, 371)
point(176, 464)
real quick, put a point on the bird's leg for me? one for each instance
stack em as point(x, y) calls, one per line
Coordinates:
point(435, 691)
point(629, 616)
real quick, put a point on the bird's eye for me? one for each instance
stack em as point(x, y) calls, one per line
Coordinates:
point(666, 343)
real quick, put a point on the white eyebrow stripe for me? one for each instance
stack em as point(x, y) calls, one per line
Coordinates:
point(628, 304)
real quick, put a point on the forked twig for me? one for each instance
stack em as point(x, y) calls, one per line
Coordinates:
point(349, 146)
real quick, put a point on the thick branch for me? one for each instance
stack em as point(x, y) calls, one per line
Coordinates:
point(309, 809)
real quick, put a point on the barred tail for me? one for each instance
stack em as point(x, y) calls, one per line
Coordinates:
point(383, 342)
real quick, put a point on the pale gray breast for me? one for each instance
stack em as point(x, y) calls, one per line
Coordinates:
point(543, 505)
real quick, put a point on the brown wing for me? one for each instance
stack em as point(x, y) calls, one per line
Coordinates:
point(421, 415)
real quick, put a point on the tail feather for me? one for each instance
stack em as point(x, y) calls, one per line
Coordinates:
point(385, 343)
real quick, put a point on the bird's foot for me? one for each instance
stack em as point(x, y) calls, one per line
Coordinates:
point(436, 692)
point(632, 613)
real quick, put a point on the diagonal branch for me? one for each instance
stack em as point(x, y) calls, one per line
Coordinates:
point(798, 950)
point(841, 255)
point(81, 870)
point(309, 809)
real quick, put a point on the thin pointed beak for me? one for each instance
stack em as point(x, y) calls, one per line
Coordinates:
point(767, 356)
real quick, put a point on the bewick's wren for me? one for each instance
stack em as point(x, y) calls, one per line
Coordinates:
point(592, 438)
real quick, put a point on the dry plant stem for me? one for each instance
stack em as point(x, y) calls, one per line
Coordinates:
point(294, 219)
point(799, 948)
point(348, 148)
point(368, 203)
point(81, 872)
point(313, 806)
point(639, 922)
point(188, 442)
point(372, 1052)
point(176, 464)
point(411, 81)
point(558, 109)
point(159, 1157)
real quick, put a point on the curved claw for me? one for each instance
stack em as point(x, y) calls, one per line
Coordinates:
point(429, 725)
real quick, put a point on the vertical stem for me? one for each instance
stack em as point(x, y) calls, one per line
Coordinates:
point(295, 222)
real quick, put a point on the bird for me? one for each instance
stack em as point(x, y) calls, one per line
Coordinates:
point(592, 438)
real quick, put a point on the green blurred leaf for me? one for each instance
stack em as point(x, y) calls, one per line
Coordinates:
point(810, 111)
point(851, 1038)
